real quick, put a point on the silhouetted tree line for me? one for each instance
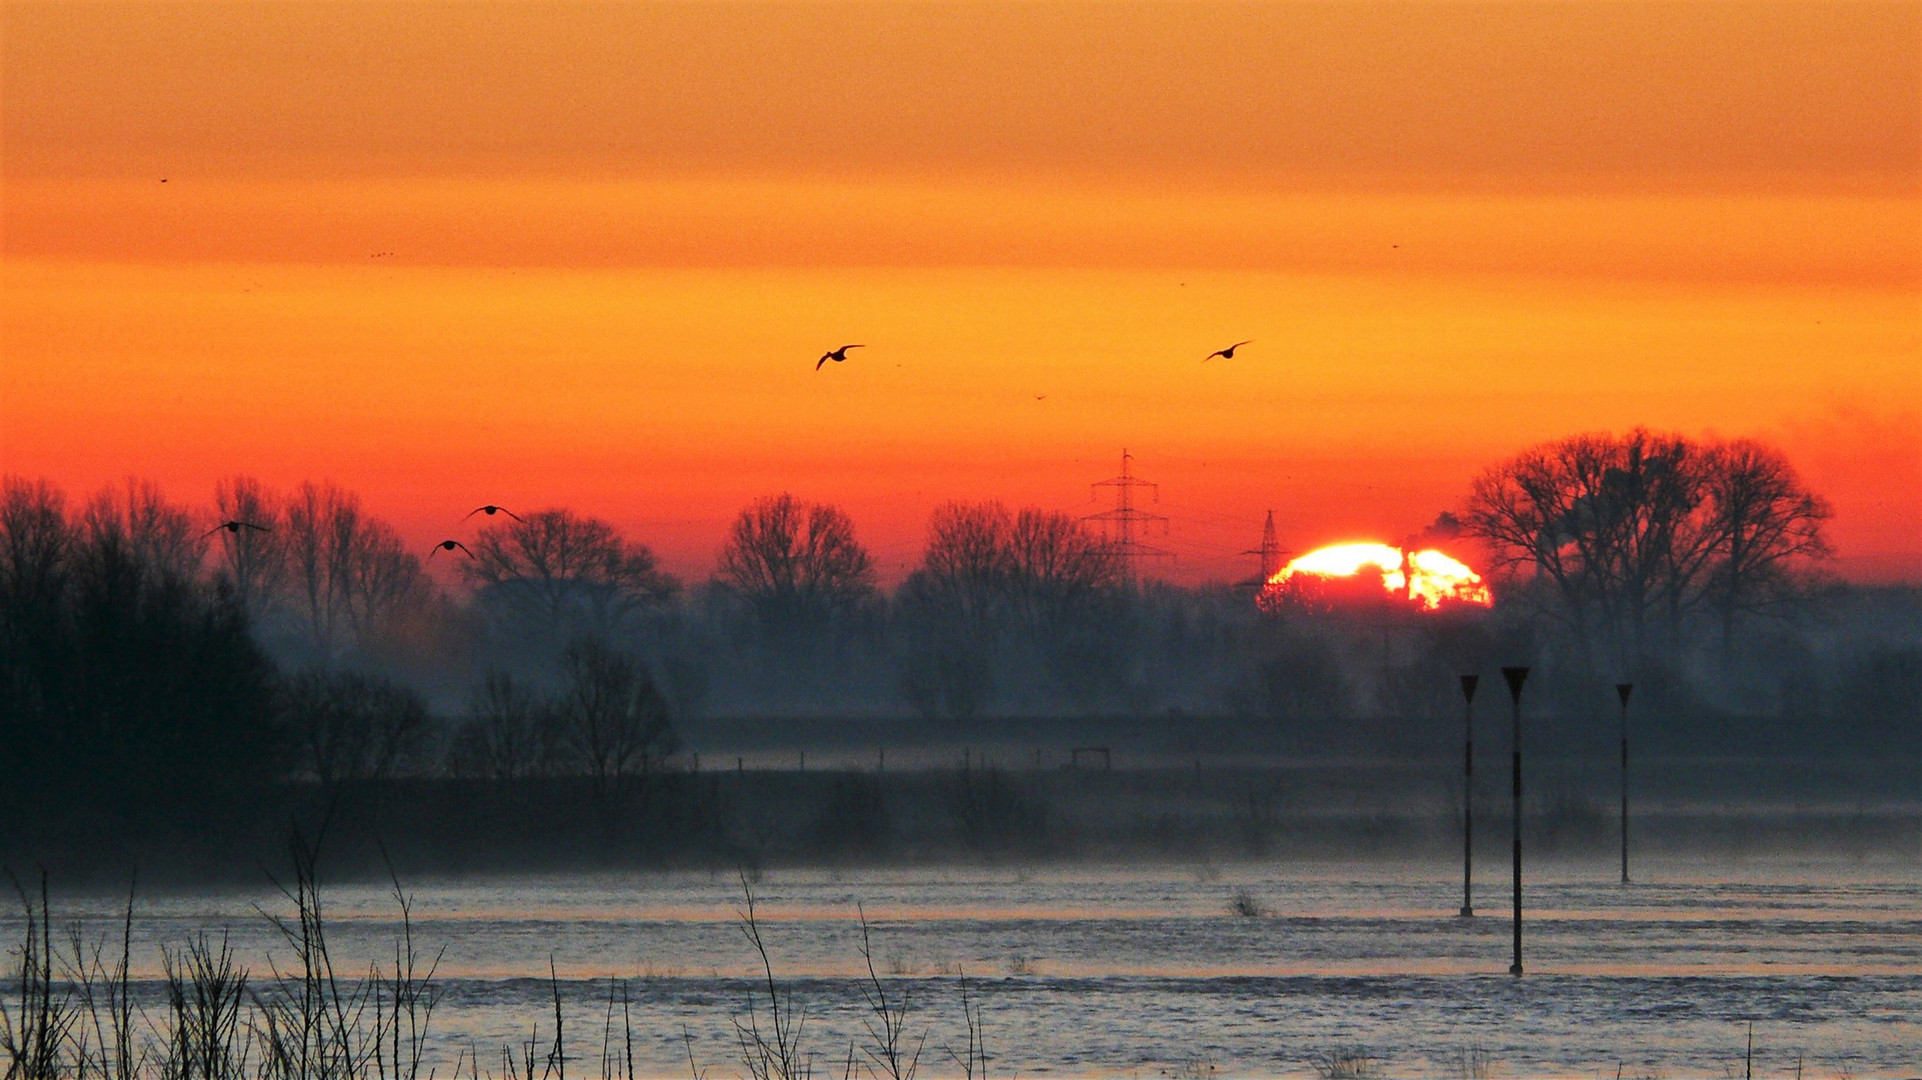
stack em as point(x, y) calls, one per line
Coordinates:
point(1628, 541)
point(151, 659)
point(130, 686)
point(1009, 596)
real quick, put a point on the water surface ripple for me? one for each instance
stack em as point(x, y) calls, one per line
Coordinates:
point(1149, 971)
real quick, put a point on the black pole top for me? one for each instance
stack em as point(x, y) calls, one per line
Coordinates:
point(1622, 690)
point(1469, 683)
point(1515, 676)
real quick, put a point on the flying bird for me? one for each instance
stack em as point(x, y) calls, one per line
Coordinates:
point(449, 545)
point(1227, 353)
point(836, 355)
point(234, 527)
point(490, 510)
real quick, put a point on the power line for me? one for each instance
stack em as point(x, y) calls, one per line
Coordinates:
point(1204, 516)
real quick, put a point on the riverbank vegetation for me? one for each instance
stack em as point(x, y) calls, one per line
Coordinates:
point(177, 682)
point(73, 1009)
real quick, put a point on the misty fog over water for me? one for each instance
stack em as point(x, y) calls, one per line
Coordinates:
point(960, 540)
point(1142, 829)
point(1235, 970)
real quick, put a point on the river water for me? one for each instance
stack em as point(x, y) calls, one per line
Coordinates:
point(1150, 971)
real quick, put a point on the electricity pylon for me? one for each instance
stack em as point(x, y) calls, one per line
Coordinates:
point(1122, 523)
point(1270, 551)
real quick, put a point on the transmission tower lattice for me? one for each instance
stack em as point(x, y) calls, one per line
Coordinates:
point(1121, 524)
point(1271, 551)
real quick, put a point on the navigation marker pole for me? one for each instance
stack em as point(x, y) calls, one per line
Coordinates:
point(1516, 676)
point(1468, 794)
point(1622, 690)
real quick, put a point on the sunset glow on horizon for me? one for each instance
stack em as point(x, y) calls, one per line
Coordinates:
point(586, 255)
point(1428, 579)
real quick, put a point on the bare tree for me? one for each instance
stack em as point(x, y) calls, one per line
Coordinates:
point(1056, 567)
point(384, 585)
point(250, 562)
point(560, 575)
point(1645, 528)
point(352, 580)
point(969, 562)
point(1598, 517)
point(354, 727)
point(123, 681)
point(1067, 591)
point(317, 515)
point(155, 533)
point(989, 578)
point(36, 554)
point(952, 608)
point(36, 566)
point(1651, 540)
point(509, 733)
point(1763, 523)
point(796, 564)
point(1523, 507)
point(613, 721)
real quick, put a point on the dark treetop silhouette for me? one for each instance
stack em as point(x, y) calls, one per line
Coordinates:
point(1627, 538)
point(796, 564)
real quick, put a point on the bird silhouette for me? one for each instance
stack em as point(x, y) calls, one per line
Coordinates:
point(836, 355)
point(1227, 353)
point(449, 545)
point(490, 510)
point(234, 527)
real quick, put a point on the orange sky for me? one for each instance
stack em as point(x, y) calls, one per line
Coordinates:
point(577, 254)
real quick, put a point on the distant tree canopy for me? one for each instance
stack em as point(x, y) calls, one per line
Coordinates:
point(990, 579)
point(605, 720)
point(348, 726)
point(511, 733)
point(321, 580)
point(613, 721)
point(1634, 535)
point(557, 576)
point(151, 653)
point(797, 565)
point(251, 563)
point(352, 581)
